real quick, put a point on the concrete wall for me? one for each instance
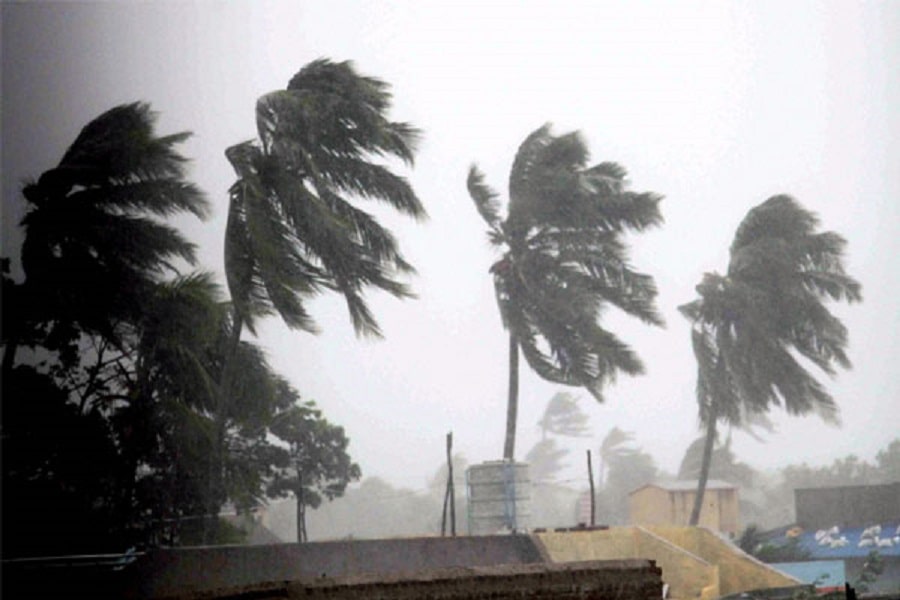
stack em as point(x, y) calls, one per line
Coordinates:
point(607, 580)
point(599, 580)
point(738, 571)
point(164, 572)
point(653, 505)
point(687, 575)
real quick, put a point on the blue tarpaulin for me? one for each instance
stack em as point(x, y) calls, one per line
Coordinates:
point(821, 573)
point(852, 548)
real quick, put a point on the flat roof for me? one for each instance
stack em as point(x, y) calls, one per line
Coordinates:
point(688, 485)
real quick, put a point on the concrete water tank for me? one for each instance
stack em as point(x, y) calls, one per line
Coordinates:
point(499, 497)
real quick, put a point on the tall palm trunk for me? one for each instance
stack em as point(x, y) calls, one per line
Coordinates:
point(704, 465)
point(512, 406)
point(217, 463)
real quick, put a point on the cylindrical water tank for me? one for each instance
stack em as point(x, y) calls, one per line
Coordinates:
point(499, 497)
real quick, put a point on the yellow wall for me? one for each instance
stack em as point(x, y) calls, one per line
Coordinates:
point(738, 571)
point(688, 576)
point(695, 562)
point(652, 505)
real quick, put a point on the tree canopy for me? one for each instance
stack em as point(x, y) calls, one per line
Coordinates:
point(563, 260)
point(750, 326)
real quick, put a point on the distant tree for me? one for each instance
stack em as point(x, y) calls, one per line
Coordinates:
point(371, 509)
point(545, 460)
point(320, 466)
point(563, 417)
point(613, 447)
point(563, 260)
point(888, 462)
point(438, 482)
point(749, 326)
point(628, 470)
point(723, 465)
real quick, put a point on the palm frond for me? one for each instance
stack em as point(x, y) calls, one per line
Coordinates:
point(484, 197)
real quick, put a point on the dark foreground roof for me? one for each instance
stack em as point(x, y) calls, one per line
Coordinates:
point(166, 572)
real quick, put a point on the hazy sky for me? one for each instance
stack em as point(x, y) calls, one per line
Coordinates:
point(715, 105)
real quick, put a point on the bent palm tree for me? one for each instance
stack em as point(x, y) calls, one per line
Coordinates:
point(292, 228)
point(563, 260)
point(750, 326)
point(93, 247)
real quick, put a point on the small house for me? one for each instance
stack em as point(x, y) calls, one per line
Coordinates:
point(671, 504)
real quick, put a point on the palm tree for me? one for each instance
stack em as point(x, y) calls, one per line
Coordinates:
point(292, 229)
point(562, 261)
point(94, 246)
point(614, 446)
point(750, 326)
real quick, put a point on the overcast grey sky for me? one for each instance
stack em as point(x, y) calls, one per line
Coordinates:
point(715, 105)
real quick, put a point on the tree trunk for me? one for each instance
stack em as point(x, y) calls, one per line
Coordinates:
point(704, 466)
point(217, 463)
point(9, 357)
point(593, 496)
point(301, 510)
point(512, 407)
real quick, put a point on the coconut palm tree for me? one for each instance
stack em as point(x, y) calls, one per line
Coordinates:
point(562, 261)
point(94, 245)
point(292, 229)
point(615, 445)
point(750, 326)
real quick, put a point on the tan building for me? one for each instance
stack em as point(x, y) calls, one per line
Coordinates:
point(671, 504)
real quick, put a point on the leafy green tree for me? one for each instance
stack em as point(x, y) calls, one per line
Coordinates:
point(749, 326)
point(96, 247)
point(59, 472)
point(320, 465)
point(562, 261)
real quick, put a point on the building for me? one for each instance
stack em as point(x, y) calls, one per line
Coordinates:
point(847, 506)
point(846, 524)
point(671, 504)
